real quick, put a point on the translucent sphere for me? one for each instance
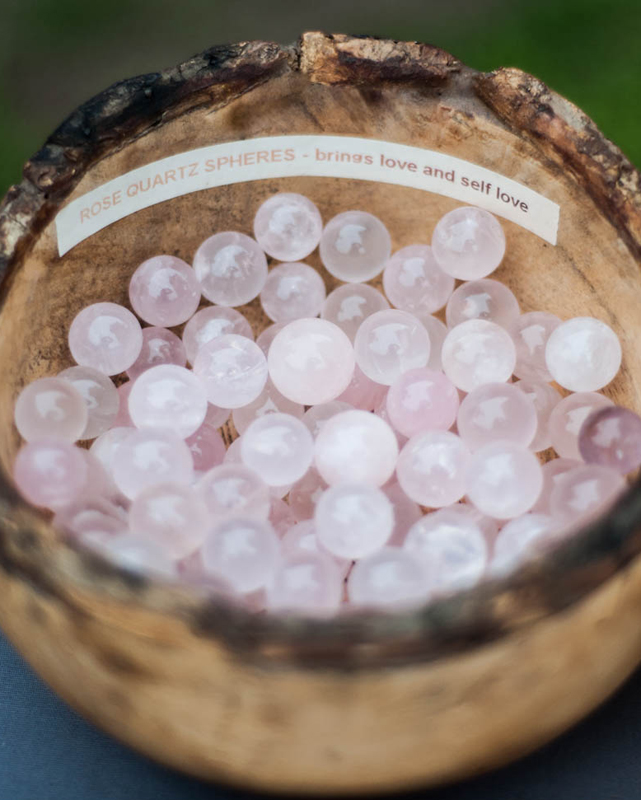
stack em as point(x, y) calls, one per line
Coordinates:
point(292, 291)
point(519, 540)
point(100, 397)
point(504, 480)
point(484, 299)
point(234, 490)
point(288, 226)
point(148, 457)
point(269, 401)
point(164, 291)
point(172, 516)
point(353, 520)
point(207, 447)
point(478, 352)
point(159, 346)
point(316, 416)
point(583, 493)
point(389, 579)
point(406, 512)
point(51, 407)
point(210, 323)
point(348, 305)
point(278, 447)
point(136, 554)
point(432, 468)
point(233, 370)
point(355, 246)
point(437, 331)
point(51, 473)
point(301, 539)
point(231, 268)
point(123, 419)
point(356, 447)
point(583, 354)
point(420, 400)
point(363, 392)
point(390, 343)
point(265, 338)
point(105, 446)
point(168, 397)
point(244, 551)
point(311, 361)
point(309, 583)
point(414, 282)
point(305, 494)
point(468, 243)
point(545, 398)
point(497, 411)
point(566, 418)
point(106, 337)
point(91, 515)
point(531, 333)
point(611, 437)
point(553, 471)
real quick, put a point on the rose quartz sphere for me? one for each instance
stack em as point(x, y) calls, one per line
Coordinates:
point(106, 337)
point(496, 411)
point(288, 226)
point(437, 331)
point(519, 540)
point(389, 579)
point(406, 512)
point(207, 447)
point(278, 447)
point(583, 493)
point(553, 471)
point(305, 494)
point(420, 400)
point(357, 447)
point(91, 515)
point(168, 397)
point(566, 418)
point(159, 346)
point(232, 369)
point(468, 243)
point(545, 399)
point(311, 361)
point(390, 343)
point(51, 473)
point(504, 479)
point(164, 291)
point(309, 583)
point(489, 527)
point(583, 354)
point(292, 291)
point(231, 268)
point(350, 304)
point(233, 490)
point(484, 299)
point(301, 539)
point(210, 323)
point(136, 554)
point(432, 468)
point(355, 246)
point(269, 401)
point(51, 407)
point(149, 457)
point(531, 333)
point(478, 352)
point(100, 396)
point(123, 419)
point(353, 520)
point(234, 456)
point(265, 338)
point(363, 392)
point(611, 437)
point(414, 282)
point(316, 416)
point(105, 446)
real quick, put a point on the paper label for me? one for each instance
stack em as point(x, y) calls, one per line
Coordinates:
point(296, 156)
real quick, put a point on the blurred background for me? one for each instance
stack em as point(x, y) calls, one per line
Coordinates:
point(55, 54)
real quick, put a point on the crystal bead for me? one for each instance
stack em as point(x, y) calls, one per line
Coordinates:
point(390, 579)
point(520, 539)
point(292, 291)
point(148, 457)
point(350, 304)
point(552, 472)
point(497, 411)
point(468, 243)
point(355, 246)
point(420, 400)
point(581, 494)
point(611, 437)
point(50, 473)
point(432, 468)
point(288, 226)
point(390, 343)
point(530, 333)
point(231, 268)
point(545, 399)
point(164, 291)
point(583, 354)
point(106, 337)
point(232, 369)
point(210, 323)
point(159, 346)
point(51, 407)
point(478, 352)
point(414, 282)
point(308, 583)
point(234, 490)
point(484, 299)
point(567, 417)
point(278, 447)
point(269, 401)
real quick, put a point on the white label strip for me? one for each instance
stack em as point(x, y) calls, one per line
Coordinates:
point(295, 156)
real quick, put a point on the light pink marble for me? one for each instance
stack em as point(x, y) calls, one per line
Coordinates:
point(231, 268)
point(278, 447)
point(269, 401)
point(306, 583)
point(583, 354)
point(164, 291)
point(159, 346)
point(432, 468)
point(567, 417)
point(149, 457)
point(414, 282)
point(292, 291)
point(422, 399)
point(288, 226)
point(468, 243)
point(478, 352)
point(51, 407)
point(521, 539)
point(363, 392)
point(483, 299)
point(350, 304)
point(553, 471)
point(389, 579)
point(210, 323)
point(207, 447)
point(389, 343)
point(531, 332)
point(581, 494)
point(545, 398)
point(497, 411)
point(355, 246)
point(611, 437)
point(232, 369)
point(234, 490)
point(51, 473)
point(106, 337)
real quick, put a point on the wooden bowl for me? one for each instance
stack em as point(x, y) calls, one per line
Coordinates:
point(373, 702)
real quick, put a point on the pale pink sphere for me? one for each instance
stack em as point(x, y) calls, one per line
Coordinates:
point(521, 539)
point(353, 520)
point(51, 407)
point(531, 332)
point(210, 323)
point(488, 525)
point(451, 548)
point(437, 331)
point(123, 418)
point(91, 515)
point(432, 468)
point(292, 291)
point(207, 447)
point(231, 268)
point(244, 551)
point(350, 304)
point(306, 583)
point(316, 416)
point(269, 401)
point(406, 513)
point(159, 346)
point(105, 446)
point(583, 493)
point(135, 554)
point(311, 361)
point(420, 400)
point(414, 282)
point(281, 517)
point(389, 579)
point(355, 246)
point(357, 447)
point(545, 399)
point(301, 539)
point(106, 337)
point(288, 226)
point(278, 447)
point(484, 299)
point(567, 417)
point(51, 473)
point(553, 471)
point(468, 243)
point(305, 494)
point(504, 479)
point(389, 343)
point(100, 396)
point(168, 397)
point(363, 392)
point(583, 354)
point(172, 516)
point(496, 411)
point(164, 291)
point(612, 437)
point(265, 338)
point(148, 457)
point(234, 490)
point(478, 352)
point(232, 369)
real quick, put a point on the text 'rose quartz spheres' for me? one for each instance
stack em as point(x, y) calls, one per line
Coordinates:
point(106, 337)
point(231, 268)
point(311, 361)
point(288, 226)
point(50, 407)
point(232, 369)
point(478, 352)
point(612, 437)
point(468, 243)
point(583, 354)
point(414, 282)
point(355, 246)
point(164, 291)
